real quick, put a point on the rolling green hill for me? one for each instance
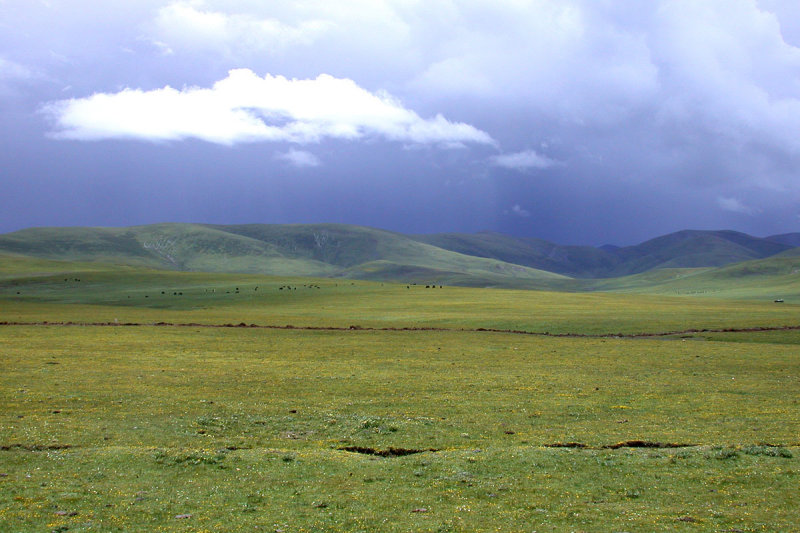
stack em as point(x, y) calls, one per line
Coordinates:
point(690, 248)
point(323, 250)
point(577, 261)
point(343, 251)
point(775, 277)
point(683, 249)
point(791, 239)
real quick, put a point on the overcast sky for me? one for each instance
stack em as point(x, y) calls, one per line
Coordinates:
point(576, 121)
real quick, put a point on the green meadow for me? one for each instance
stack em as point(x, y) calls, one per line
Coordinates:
point(368, 426)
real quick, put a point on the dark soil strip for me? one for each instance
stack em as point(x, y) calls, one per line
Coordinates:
point(35, 447)
point(617, 446)
point(646, 444)
point(368, 328)
point(389, 452)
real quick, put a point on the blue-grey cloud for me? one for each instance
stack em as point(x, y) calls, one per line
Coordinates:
point(736, 206)
point(10, 70)
point(189, 25)
point(299, 158)
point(671, 112)
point(519, 211)
point(525, 160)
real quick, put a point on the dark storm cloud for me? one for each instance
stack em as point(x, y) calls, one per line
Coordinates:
point(583, 115)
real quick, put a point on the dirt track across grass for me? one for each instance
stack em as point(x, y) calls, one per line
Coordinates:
point(412, 328)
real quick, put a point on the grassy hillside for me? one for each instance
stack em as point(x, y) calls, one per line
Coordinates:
point(689, 249)
point(366, 253)
point(790, 239)
point(684, 249)
point(579, 261)
point(776, 277)
point(301, 250)
point(354, 252)
point(118, 245)
point(16, 266)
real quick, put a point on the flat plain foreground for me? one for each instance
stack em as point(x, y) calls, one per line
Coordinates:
point(196, 428)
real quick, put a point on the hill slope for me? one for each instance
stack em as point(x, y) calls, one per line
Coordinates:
point(327, 250)
point(790, 239)
point(337, 250)
point(775, 277)
point(683, 249)
point(578, 261)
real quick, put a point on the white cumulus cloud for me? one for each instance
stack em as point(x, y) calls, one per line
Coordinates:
point(528, 159)
point(244, 107)
point(299, 158)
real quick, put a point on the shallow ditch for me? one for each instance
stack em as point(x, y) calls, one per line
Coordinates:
point(388, 452)
point(623, 444)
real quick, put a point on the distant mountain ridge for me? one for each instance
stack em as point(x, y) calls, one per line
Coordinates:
point(790, 239)
point(683, 249)
point(337, 250)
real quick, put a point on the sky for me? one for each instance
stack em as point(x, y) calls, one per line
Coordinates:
point(576, 121)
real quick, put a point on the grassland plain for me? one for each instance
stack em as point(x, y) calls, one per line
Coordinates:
point(138, 295)
point(205, 429)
